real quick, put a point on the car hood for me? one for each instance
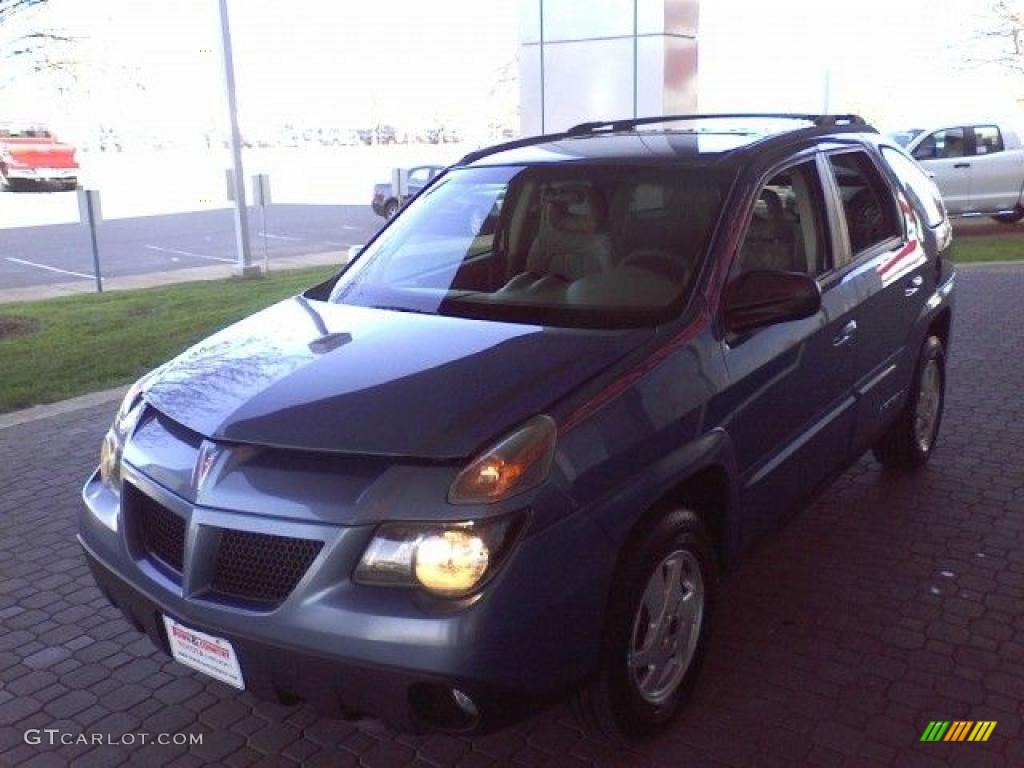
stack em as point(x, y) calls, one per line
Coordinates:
point(311, 375)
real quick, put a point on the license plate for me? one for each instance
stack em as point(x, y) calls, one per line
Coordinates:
point(210, 655)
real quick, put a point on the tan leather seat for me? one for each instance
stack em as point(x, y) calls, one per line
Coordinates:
point(573, 240)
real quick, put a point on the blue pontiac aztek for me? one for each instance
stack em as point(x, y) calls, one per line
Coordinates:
point(505, 454)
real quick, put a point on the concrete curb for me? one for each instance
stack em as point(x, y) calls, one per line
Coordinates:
point(37, 412)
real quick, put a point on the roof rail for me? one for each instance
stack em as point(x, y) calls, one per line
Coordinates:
point(527, 141)
point(847, 122)
point(610, 126)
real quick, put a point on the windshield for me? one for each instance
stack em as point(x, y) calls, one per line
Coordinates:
point(903, 138)
point(549, 245)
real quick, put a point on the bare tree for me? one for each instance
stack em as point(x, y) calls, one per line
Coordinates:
point(40, 48)
point(998, 38)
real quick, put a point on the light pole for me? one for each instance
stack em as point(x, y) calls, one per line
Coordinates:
point(245, 267)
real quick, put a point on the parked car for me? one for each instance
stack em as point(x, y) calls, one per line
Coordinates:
point(386, 200)
point(31, 155)
point(979, 168)
point(472, 472)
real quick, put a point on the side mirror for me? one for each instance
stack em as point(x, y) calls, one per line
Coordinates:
point(765, 297)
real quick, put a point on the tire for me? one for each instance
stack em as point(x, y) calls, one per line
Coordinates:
point(1010, 218)
point(625, 701)
point(390, 209)
point(910, 441)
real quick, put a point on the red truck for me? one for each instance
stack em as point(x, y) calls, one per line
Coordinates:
point(30, 154)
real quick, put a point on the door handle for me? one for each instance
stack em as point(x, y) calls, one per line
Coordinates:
point(961, 165)
point(848, 332)
point(913, 286)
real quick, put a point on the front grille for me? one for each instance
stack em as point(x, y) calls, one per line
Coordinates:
point(261, 567)
point(162, 532)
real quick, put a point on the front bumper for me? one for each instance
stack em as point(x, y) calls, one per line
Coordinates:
point(334, 686)
point(388, 653)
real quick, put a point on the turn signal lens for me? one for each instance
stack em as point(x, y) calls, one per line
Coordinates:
point(511, 466)
point(452, 562)
point(113, 442)
point(110, 460)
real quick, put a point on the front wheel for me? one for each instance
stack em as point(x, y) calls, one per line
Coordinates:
point(1010, 218)
point(909, 442)
point(656, 633)
point(391, 209)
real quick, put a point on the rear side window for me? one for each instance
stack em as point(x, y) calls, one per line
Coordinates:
point(868, 204)
point(987, 140)
point(917, 185)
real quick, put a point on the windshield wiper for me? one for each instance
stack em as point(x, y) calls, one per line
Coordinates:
point(410, 310)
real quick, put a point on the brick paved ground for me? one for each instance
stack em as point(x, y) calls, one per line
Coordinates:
point(891, 602)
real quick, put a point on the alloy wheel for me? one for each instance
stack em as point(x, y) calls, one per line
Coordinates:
point(929, 401)
point(666, 627)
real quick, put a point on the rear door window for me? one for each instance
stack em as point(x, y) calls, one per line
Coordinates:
point(987, 140)
point(917, 185)
point(869, 207)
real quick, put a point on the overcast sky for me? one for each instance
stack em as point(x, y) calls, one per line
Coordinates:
point(300, 60)
point(411, 61)
point(899, 61)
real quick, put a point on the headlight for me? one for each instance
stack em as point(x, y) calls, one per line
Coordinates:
point(515, 464)
point(449, 559)
point(113, 442)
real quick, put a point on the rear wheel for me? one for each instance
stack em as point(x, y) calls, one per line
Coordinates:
point(909, 442)
point(1010, 218)
point(656, 632)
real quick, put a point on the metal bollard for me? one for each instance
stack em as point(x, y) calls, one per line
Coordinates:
point(91, 215)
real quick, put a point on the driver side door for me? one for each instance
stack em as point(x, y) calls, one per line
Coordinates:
point(789, 408)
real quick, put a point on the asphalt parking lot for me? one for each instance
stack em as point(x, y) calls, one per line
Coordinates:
point(891, 602)
point(50, 254)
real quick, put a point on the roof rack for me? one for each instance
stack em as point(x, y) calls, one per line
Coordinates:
point(822, 121)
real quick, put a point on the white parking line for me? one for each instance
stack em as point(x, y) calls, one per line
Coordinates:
point(49, 268)
point(189, 253)
point(279, 237)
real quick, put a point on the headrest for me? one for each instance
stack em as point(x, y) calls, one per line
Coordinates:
point(574, 208)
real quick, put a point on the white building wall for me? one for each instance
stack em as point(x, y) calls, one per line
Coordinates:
point(586, 60)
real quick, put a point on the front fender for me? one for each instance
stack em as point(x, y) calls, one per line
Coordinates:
point(619, 511)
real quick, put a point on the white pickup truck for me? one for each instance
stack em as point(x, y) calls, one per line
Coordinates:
point(978, 167)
